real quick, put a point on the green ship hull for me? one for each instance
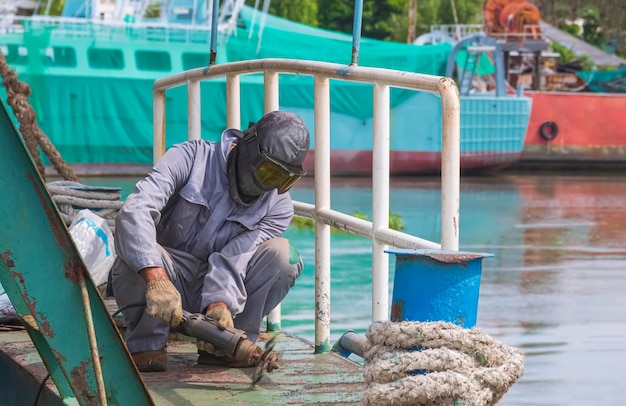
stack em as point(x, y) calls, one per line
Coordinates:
point(92, 82)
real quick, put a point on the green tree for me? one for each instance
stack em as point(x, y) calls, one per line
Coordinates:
point(378, 17)
point(336, 15)
point(603, 19)
point(302, 11)
point(591, 26)
point(56, 7)
point(427, 15)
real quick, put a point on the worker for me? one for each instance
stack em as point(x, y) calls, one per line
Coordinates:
point(203, 232)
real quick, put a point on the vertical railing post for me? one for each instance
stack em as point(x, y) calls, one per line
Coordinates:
point(233, 101)
point(271, 103)
point(380, 203)
point(158, 129)
point(214, 20)
point(193, 110)
point(450, 163)
point(322, 202)
point(270, 96)
point(356, 32)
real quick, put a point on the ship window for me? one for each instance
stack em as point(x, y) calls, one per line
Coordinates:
point(153, 61)
point(60, 56)
point(105, 58)
point(195, 60)
point(15, 55)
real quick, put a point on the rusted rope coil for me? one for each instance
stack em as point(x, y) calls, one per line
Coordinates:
point(17, 97)
point(436, 363)
point(71, 197)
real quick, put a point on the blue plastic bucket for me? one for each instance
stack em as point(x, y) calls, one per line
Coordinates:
point(435, 285)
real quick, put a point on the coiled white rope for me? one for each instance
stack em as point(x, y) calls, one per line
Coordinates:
point(436, 363)
point(71, 197)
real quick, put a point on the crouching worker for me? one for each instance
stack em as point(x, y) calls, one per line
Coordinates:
point(203, 232)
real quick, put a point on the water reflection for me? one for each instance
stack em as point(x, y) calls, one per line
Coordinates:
point(555, 287)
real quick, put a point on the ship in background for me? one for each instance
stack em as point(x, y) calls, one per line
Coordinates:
point(91, 69)
point(577, 118)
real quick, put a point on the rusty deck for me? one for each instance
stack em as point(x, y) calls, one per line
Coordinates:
point(303, 377)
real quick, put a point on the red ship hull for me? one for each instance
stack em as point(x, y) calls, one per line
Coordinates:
point(590, 128)
point(402, 163)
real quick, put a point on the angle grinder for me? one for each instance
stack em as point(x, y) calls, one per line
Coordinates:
point(231, 341)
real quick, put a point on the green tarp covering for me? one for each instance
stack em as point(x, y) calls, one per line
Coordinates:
point(608, 81)
point(92, 91)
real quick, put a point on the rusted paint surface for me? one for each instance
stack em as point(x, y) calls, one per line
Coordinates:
point(7, 260)
point(455, 225)
point(344, 71)
point(74, 268)
point(31, 303)
point(445, 83)
point(80, 385)
point(397, 310)
point(303, 377)
point(58, 356)
point(74, 271)
point(37, 286)
point(461, 259)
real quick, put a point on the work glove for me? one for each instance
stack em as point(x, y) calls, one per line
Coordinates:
point(222, 317)
point(163, 302)
point(208, 347)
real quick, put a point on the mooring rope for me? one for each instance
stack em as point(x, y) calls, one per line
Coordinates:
point(436, 363)
point(71, 197)
point(17, 97)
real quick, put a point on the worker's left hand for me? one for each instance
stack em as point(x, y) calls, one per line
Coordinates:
point(163, 301)
point(220, 313)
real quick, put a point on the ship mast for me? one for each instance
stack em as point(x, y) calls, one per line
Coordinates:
point(412, 21)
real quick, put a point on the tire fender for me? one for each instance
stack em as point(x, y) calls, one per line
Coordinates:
point(549, 130)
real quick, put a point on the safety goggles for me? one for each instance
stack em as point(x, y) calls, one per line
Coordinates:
point(270, 172)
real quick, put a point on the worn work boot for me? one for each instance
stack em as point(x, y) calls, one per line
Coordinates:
point(206, 358)
point(151, 361)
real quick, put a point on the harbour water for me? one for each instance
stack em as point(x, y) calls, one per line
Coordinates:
point(555, 287)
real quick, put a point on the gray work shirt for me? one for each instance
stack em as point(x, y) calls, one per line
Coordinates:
point(184, 204)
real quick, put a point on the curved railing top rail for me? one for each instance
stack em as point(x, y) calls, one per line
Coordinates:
point(445, 87)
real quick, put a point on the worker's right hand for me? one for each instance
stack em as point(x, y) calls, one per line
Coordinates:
point(221, 314)
point(208, 347)
point(163, 301)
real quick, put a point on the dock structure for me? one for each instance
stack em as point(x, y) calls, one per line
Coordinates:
point(303, 377)
point(68, 333)
point(580, 47)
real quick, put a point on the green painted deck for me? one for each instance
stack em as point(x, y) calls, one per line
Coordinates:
point(303, 377)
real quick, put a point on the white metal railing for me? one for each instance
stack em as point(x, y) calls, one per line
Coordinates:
point(378, 230)
point(529, 32)
point(457, 31)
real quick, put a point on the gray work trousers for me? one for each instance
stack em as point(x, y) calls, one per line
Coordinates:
point(269, 277)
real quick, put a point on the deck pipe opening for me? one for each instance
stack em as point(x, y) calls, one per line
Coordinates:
point(350, 343)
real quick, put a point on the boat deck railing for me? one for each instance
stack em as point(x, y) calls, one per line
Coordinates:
point(457, 31)
point(321, 211)
point(111, 30)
